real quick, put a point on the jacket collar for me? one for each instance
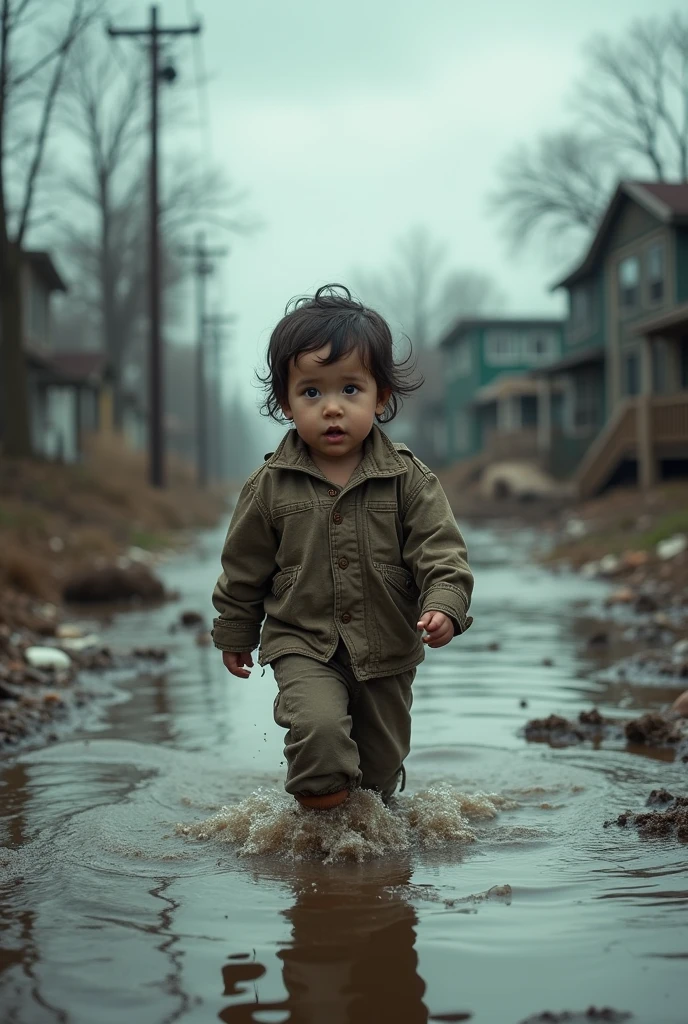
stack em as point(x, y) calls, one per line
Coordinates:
point(380, 457)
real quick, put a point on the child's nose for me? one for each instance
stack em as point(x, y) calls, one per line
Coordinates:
point(333, 405)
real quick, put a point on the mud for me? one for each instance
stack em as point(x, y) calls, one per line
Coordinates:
point(604, 1014)
point(114, 582)
point(661, 730)
point(561, 732)
point(669, 823)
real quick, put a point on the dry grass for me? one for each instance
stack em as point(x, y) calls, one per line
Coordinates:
point(55, 517)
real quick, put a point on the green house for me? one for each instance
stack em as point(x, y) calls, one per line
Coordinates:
point(619, 391)
point(493, 404)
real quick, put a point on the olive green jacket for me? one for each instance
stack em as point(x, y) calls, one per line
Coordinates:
point(360, 562)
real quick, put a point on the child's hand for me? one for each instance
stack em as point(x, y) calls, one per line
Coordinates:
point(235, 661)
point(440, 628)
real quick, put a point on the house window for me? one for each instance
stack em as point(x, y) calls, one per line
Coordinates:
point(629, 282)
point(541, 347)
point(655, 272)
point(503, 348)
point(631, 374)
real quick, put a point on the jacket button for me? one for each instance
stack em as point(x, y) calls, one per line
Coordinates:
point(343, 563)
point(336, 518)
point(332, 493)
point(346, 617)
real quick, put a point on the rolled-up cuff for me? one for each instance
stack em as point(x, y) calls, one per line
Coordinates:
point(452, 602)
point(235, 636)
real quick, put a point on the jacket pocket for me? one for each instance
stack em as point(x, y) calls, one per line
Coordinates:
point(399, 578)
point(283, 580)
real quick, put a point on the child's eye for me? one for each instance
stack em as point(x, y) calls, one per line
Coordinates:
point(311, 392)
point(350, 389)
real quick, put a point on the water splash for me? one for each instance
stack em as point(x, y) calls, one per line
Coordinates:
point(268, 823)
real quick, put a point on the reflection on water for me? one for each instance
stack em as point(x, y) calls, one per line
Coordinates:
point(109, 914)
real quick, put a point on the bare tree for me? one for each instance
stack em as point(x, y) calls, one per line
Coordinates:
point(630, 119)
point(106, 245)
point(29, 90)
point(419, 293)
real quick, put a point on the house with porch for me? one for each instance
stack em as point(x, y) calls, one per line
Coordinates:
point(67, 389)
point(618, 394)
point(494, 408)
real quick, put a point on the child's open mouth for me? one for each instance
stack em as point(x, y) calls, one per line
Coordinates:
point(334, 434)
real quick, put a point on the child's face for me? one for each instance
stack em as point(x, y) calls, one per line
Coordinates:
point(333, 407)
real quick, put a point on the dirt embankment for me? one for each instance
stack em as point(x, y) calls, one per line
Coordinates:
point(89, 533)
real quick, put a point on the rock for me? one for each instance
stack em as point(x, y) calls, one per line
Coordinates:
point(598, 640)
point(635, 559)
point(672, 546)
point(623, 596)
point(191, 618)
point(672, 822)
point(610, 565)
point(680, 648)
point(47, 657)
point(680, 705)
point(68, 631)
point(575, 528)
point(590, 570)
point(81, 643)
point(493, 646)
point(113, 583)
point(646, 604)
point(547, 662)
point(56, 545)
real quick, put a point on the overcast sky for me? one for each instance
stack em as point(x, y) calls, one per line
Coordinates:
point(351, 122)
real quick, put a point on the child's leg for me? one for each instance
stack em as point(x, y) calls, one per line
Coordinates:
point(313, 705)
point(382, 729)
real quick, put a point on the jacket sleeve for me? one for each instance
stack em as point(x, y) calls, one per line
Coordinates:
point(435, 552)
point(248, 563)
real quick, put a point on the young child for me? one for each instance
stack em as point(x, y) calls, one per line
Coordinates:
point(345, 543)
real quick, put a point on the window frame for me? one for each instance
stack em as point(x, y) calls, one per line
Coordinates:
point(629, 307)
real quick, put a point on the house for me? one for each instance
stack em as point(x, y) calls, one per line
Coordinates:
point(421, 421)
point(493, 407)
point(621, 404)
point(67, 389)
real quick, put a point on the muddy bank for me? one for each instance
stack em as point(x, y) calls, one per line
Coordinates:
point(78, 543)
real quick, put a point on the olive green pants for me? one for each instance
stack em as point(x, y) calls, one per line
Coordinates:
point(341, 732)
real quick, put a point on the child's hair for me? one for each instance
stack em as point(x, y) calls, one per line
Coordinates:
point(332, 317)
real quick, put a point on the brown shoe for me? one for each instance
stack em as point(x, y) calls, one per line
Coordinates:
point(322, 803)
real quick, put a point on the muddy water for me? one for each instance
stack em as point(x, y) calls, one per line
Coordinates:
point(494, 891)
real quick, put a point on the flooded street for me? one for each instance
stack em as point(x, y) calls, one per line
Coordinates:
point(111, 914)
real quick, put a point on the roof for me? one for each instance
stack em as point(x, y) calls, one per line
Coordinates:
point(585, 357)
point(43, 265)
point(505, 386)
point(466, 324)
point(664, 200)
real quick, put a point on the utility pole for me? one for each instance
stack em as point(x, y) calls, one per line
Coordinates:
point(215, 323)
point(156, 399)
point(203, 267)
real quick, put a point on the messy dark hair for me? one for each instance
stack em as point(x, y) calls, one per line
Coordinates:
point(332, 317)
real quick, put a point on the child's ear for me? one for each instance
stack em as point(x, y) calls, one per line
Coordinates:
point(383, 397)
point(286, 412)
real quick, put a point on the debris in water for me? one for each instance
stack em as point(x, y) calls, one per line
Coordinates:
point(604, 1014)
point(653, 729)
point(669, 823)
point(268, 823)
